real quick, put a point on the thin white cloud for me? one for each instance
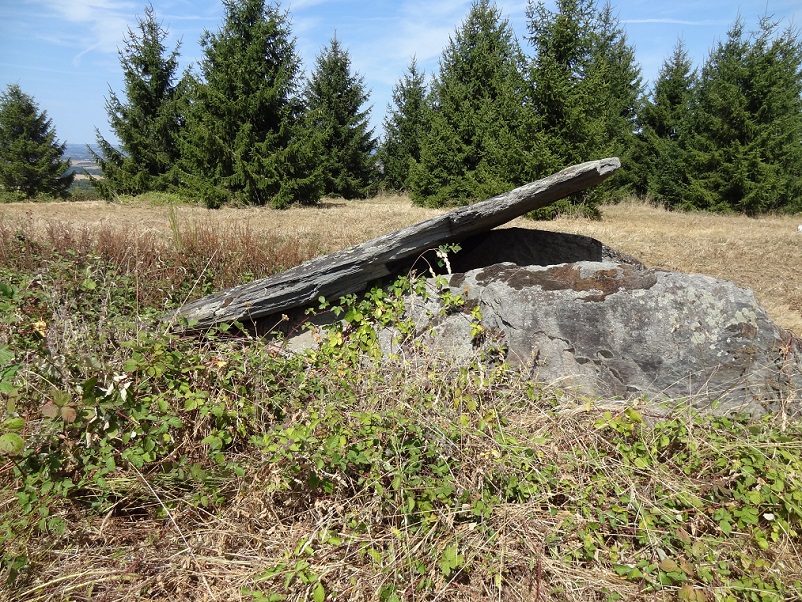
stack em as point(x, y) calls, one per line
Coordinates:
point(704, 23)
point(425, 27)
point(304, 4)
point(102, 24)
point(38, 69)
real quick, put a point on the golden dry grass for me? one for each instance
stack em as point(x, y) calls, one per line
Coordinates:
point(763, 254)
point(330, 226)
point(188, 553)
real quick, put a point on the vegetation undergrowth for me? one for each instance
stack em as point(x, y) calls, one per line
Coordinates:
point(142, 463)
point(143, 271)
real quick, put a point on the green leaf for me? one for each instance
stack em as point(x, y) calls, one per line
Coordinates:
point(60, 398)
point(747, 516)
point(57, 525)
point(450, 560)
point(88, 388)
point(319, 593)
point(14, 424)
point(11, 444)
point(633, 415)
point(213, 441)
point(6, 355)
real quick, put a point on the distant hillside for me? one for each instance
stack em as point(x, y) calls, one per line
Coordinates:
point(81, 158)
point(79, 152)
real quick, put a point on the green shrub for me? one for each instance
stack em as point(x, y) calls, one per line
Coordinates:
point(406, 474)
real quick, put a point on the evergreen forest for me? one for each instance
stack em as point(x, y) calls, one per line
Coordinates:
point(247, 124)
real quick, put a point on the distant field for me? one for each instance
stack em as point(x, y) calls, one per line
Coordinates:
point(764, 254)
point(80, 160)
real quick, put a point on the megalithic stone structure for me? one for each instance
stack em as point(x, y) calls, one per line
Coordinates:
point(352, 269)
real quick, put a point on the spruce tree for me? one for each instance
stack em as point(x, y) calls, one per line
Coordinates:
point(146, 122)
point(334, 99)
point(585, 85)
point(562, 42)
point(747, 125)
point(717, 143)
point(661, 159)
point(403, 129)
point(776, 65)
point(477, 141)
point(615, 80)
point(31, 157)
point(243, 136)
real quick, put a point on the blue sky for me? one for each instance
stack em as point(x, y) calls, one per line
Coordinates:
point(64, 52)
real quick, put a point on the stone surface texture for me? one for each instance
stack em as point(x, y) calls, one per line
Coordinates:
point(609, 327)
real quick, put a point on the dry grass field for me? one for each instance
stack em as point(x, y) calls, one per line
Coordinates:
point(763, 254)
point(153, 465)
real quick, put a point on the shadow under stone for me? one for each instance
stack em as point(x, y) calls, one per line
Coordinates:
point(523, 247)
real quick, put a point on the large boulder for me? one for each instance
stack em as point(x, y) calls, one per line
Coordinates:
point(601, 324)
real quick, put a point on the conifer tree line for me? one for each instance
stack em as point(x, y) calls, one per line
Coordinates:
point(727, 137)
point(247, 124)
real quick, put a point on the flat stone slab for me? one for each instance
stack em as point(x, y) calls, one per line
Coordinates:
point(351, 270)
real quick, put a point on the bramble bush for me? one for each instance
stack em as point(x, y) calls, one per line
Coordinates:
point(350, 471)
